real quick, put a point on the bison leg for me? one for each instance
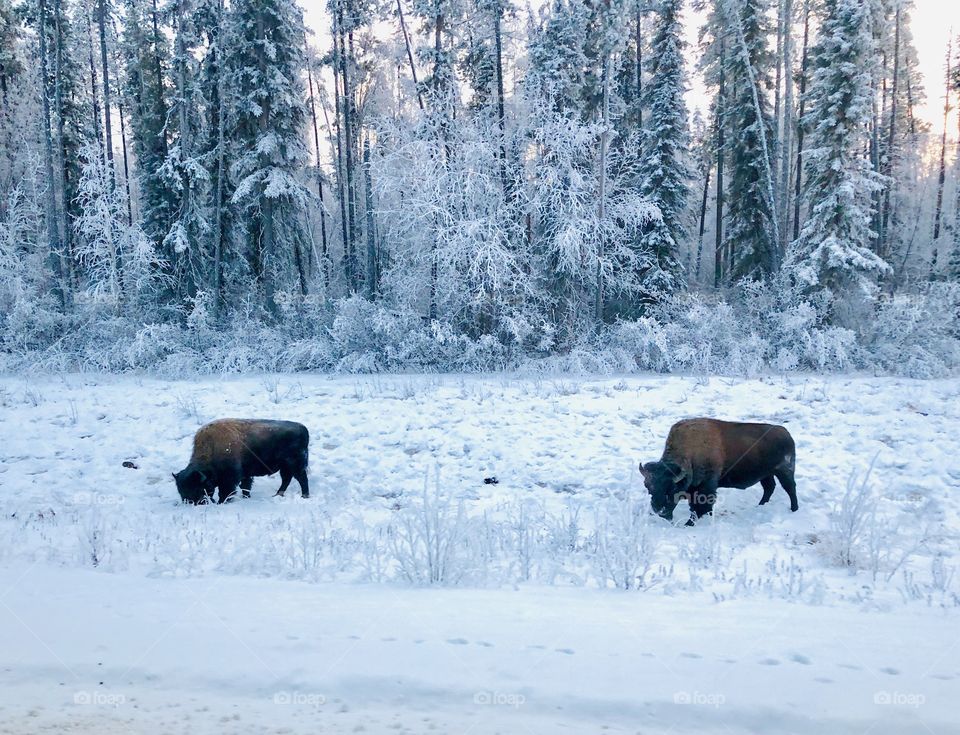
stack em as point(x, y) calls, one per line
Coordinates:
point(702, 500)
point(285, 476)
point(301, 476)
point(785, 476)
point(226, 490)
point(769, 485)
point(245, 485)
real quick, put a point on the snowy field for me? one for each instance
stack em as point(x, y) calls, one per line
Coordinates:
point(408, 595)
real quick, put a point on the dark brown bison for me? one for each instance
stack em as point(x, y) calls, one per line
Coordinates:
point(704, 454)
point(229, 452)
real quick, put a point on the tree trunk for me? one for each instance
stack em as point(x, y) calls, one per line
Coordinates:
point(66, 234)
point(348, 134)
point(943, 162)
point(372, 278)
point(94, 92)
point(108, 137)
point(158, 70)
point(601, 207)
point(221, 171)
point(703, 216)
point(413, 66)
point(721, 145)
point(55, 256)
point(107, 125)
point(341, 167)
point(800, 127)
point(186, 139)
point(324, 254)
point(788, 122)
point(883, 235)
point(501, 114)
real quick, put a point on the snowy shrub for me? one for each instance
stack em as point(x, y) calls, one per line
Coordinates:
point(623, 546)
point(429, 539)
point(918, 334)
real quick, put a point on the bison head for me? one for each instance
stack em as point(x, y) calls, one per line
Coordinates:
point(193, 485)
point(666, 484)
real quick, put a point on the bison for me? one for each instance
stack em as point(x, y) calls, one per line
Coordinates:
point(704, 454)
point(229, 452)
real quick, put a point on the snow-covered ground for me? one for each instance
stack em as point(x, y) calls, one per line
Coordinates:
point(407, 595)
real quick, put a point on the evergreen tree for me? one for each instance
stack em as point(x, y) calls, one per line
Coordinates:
point(557, 58)
point(185, 169)
point(267, 66)
point(750, 239)
point(664, 173)
point(147, 56)
point(833, 250)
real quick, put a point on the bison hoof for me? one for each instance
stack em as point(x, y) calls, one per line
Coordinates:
point(280, 493)
point(304, 495)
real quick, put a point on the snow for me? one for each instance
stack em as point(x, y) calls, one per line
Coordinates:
point(292, 615)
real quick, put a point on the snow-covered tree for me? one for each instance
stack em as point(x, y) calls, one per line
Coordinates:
point(751, 226)
point(664, 173)
point(146, 95)
point(833, 250)
point(267, 77)
point(186, 168)
point(119, 264)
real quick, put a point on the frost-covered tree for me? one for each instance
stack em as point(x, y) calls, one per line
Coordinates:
point(186, 169)
point(751, 226)
point(557, 59)
point(664, 173)
point(833, 250)
point(267, 76)
point(119, 264)
point(146, 95)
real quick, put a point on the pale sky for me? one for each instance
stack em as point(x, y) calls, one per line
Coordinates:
point(933, 23)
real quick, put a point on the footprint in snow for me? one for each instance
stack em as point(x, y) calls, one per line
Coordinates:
point(485, 644)
point(823, 680)
point(388, 640)
point(690, 655)
point(890, 670)
point(799, 658)
point(941, 677)
point(852, 667)
point(537, 647)
point(458, 641)
point(769, 662)
point(568, 651)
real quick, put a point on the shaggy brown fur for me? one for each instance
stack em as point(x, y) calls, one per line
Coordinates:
point(229, 452)
point(703, 454)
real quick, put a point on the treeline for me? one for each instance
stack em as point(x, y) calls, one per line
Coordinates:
point(463, 167)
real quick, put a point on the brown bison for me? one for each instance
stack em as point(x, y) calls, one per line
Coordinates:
point(704, 454)
point(229, 452)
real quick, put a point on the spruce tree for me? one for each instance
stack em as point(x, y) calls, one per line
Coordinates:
point(664, 172)
point(833, 250)
point(267, 66)
point(147, 56)
point(750, 223)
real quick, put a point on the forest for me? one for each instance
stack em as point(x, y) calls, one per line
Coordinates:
point(210, 186)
